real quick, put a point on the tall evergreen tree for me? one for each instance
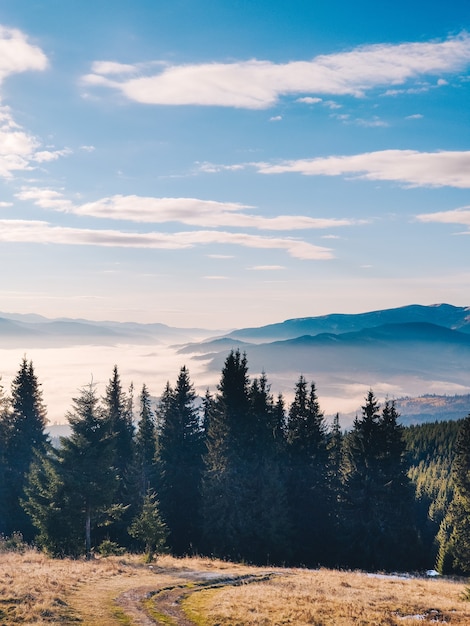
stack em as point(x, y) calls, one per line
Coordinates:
point(378, 501)
point(146, 444)
point(5, 415)
point(243, 492)
point(87, 458)
point(308, 495)
point(117, 414)
point(25, 436)
point(180, 464)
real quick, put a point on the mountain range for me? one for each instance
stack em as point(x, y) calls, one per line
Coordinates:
point(408, 351)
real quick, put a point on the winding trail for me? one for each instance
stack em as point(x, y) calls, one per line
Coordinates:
point(163, 606)
point(152, 599)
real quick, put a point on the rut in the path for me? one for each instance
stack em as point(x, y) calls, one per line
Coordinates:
point(163, 606)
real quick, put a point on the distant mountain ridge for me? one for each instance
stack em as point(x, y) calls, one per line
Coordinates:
point(39, 331)
point(446, 315)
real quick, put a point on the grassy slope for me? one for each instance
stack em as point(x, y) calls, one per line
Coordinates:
point(38, 590)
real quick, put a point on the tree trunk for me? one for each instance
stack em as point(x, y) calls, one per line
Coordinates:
point(88, 532)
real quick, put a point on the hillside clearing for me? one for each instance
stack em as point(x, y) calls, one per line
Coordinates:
point(115, 591)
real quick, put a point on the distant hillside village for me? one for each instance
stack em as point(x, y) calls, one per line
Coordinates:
point(242, 476)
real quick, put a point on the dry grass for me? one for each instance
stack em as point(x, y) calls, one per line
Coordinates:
point(37, 590)
point(332, 598)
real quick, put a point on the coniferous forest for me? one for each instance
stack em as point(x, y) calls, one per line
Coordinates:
point(240, 475)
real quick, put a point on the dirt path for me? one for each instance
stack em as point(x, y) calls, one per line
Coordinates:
point(166, 603)
point(149, 599)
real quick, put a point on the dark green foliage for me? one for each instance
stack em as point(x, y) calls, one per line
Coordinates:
point(52, 507)
point(377, 516)
point(454, 532)
point(430, 453)
point(180, 464)
point(245, 513)
point(307, 476)
point(237, 478)
point(146, 445)
point(86, 459)
point(117, 416)
point(23, 434)
point(149, 529)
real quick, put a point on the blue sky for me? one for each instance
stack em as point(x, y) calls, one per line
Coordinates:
point(226, 164)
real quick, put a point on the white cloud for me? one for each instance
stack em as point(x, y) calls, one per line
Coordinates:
point(111, 67)
point(88, 148)
point(276, 118)
point(220, 256)
point(459, 216)
point(213, 168)
point(426, 169)
point(266, 268)
point(17, 55)
point(17, 147)
point(4, 205)
point(216, 277)
point(46, 198)
point(309, 100)
point(256, 84)
point(190, 211)
point(45, 156)
point(375, 122)
point(26, 231)
point(415, 116)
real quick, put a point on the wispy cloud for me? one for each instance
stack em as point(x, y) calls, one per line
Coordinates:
point(190, 211)
point(42, 232)
point(266, 268)
point(258, 84)
point(459, 216)
point(425, 169)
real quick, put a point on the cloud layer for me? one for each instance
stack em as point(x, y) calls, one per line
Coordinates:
point(426, 169)
point(258, 84)
point(26, 231)
point(189, 211)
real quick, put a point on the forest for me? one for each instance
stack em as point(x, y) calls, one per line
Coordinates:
point(240, 475)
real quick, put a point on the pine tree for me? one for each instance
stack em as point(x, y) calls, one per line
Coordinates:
point(25, 436)
point(378, 499)
point(180, 464)
point(308, 494)
point(52, 507)
point(87, 458)
point(117, 414)
point(149, 529)
point(243, 488)
point(146, 444)
point(5, 415)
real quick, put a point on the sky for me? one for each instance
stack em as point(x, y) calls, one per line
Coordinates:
point(228, 164)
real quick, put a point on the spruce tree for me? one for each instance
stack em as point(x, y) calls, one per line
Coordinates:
point(87, 469)
point(25, 436)
point(149, 529)
point(378, 520)
point(243, 488)
point(146, 445)
point(180, 464)
point(117, 414)
point(5, 414)
point(308, 495)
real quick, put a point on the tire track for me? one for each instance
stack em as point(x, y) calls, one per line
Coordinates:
point(148, 607)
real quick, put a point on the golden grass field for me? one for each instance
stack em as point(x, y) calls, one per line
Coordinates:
point(35, 589)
